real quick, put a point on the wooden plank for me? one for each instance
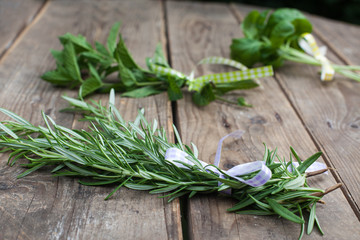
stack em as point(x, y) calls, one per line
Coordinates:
point(15, 16)
point(42, 207)
point(330, 110)
point(199, 30)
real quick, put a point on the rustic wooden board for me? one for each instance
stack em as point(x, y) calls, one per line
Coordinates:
point(201, 30)
point(330, 110)
point(42, 207)
point(15, 16)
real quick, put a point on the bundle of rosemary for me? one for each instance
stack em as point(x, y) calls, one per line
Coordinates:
point(133, 154)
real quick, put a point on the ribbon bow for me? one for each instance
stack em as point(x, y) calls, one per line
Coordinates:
point(182, 159)
point(259, 179)
point(308, 44)
point(197, 84)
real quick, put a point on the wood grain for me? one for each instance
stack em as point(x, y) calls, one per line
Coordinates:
point(201, 30)
point(42, 207)
point(15, 16)
point(330, 110)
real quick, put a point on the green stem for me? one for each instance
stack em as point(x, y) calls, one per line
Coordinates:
point(149, 83)
point(295, 55)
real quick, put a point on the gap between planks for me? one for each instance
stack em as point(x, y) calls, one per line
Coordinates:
point(183, 201)
point(336, 175)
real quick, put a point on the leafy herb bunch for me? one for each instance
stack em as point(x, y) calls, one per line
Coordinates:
point(131, 154)
point(272, 37)
point(92, 69)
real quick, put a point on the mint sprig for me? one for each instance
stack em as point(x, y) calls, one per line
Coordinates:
point(80, 65)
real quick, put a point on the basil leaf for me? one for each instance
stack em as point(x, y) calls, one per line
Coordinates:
point(246, 51)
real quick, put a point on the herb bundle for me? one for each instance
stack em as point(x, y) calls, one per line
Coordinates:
point(92, 69)
point(271, 38)
point(131, 154)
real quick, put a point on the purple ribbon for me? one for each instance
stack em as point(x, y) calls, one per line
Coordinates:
point(259, 179)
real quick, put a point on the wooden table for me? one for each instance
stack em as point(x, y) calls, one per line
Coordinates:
point(294, 108)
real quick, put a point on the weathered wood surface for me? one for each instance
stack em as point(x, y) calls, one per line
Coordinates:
point(329, 110)
point(292, 109)
point(198, 30)
point(44, 207)
point(15, 17)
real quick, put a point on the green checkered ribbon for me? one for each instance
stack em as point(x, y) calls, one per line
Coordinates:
point(167, 71)
point(224, 61)
point(197, 84)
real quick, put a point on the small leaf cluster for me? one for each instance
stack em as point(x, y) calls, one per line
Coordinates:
point(131, 154)
point(101, 68)
point(265, 33)
point(90, 68)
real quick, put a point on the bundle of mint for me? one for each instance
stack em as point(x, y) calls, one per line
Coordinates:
point(81, 65)
point(138, 155)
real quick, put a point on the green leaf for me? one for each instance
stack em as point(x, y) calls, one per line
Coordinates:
point(248, 26)
point(33, 169)
point(284, 212)
point(307, 163)
point(58, 56)
point(102, 49)
point(89, 86)
point(255, 212)
point(311, 219)
point(80, 42)
point(174, 91)
point(205, 96)
point(142, 92)
point(16, 117)
point(124, 55)
point(8, 131)
point(222, 88)
point(70, 62)
point(242, 102)
point(246, 51)
point(280, 32)
point(57, 77)
point(111, 40)
point(301, 26)
point(159, 57)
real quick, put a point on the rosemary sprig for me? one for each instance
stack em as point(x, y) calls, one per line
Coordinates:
point(131, 154)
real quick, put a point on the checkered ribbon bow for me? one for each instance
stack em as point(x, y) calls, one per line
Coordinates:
point(308, 44)
point(197, 84)
point(178, 157)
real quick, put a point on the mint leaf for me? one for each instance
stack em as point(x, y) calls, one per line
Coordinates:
point(60, 78)
point(174, 91)
point(242, 102)
point(124, 54)
point(89, 86)
point(80, 42)
point(205, 96)
point(159, 57)
point(70, 62)
point(111, 40)
point(222, 88)
point(142, 92)
point(102, 49)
